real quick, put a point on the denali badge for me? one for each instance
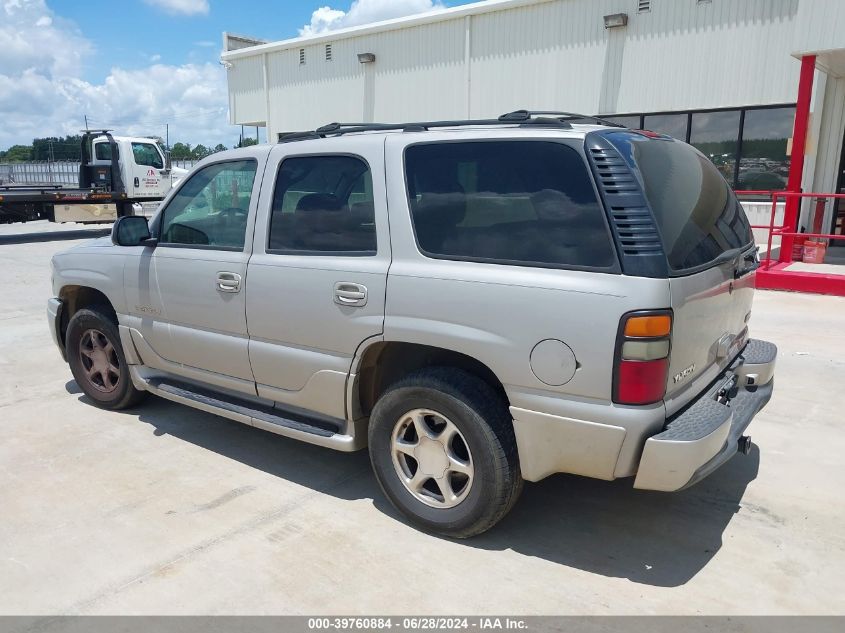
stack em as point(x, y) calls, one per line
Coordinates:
point(684, 373)
point(147, 310)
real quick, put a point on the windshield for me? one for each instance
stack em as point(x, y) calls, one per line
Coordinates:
point(698, 216)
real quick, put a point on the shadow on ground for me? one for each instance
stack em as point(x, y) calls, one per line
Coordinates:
point(53, 236)
point(606, 528)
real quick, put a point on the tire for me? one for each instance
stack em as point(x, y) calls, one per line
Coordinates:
point(97, 361)
point(448, 402)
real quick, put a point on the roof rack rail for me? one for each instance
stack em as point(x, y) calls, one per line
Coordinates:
point(524, 115)
point(519, 117)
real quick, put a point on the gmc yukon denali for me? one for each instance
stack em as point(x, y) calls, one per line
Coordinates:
point(478, 302)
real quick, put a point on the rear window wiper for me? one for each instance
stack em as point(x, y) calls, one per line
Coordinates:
point(753, 262)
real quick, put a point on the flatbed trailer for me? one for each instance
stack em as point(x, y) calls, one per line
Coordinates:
point(59, 204)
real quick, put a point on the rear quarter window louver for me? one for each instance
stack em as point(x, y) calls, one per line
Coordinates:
point(630, 217)
point(638, 242)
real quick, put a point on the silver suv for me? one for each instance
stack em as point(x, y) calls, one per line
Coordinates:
point(479, 302)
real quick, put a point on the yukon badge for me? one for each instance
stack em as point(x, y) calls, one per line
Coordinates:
point(684, 373)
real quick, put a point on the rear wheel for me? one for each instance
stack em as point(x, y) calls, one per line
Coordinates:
point(97, 361)
point(444, 453)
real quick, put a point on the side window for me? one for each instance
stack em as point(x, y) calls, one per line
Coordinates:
point(212, 208)
point(102, 151)
point(510, 202)
point(323, 204)
point(147, 154)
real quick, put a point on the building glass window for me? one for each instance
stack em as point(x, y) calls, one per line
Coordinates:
point(764, 163)
point(716, 135)
point(631, 122)
point(761, 152)
point(674, 125)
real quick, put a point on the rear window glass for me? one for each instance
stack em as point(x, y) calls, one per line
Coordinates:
point(697, 214)
point(513, 202)
point(102, 151)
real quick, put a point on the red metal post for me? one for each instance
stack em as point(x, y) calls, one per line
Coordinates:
point(799, 143)
point(771, 231)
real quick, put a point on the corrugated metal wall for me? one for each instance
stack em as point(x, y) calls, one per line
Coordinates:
point(246, 91)
point(820, 26)
point(685, 55)
point(553, 54)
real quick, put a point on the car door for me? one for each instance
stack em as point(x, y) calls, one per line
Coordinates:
point(145, 171)
point(319, 268)
point(188, 294)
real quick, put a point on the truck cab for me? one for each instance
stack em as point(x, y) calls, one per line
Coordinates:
point(144, 168)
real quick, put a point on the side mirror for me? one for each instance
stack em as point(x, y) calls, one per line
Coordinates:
point(168, 162)
point(132, 230)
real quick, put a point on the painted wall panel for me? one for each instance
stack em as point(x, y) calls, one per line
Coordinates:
point(246, 91)
point(542, 56)
point(820, 26)
point(547, 54)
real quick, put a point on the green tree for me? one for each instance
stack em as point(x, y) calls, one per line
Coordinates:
point(200, 152)
point(17, 154)
point(246, 142)
point(220, 148)
point(181, 151)
point(56, 147)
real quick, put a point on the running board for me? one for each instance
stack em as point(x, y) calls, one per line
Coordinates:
point(319, 430)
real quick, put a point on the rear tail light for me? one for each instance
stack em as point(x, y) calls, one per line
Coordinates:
point(642, 357)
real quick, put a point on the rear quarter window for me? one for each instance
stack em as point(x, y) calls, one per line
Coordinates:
point(697, 215)
point(528, 203)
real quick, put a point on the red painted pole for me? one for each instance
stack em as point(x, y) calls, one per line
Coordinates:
point(799, 144)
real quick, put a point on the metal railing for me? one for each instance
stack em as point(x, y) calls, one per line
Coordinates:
point(60, 172)
point(790, 231)
point(41, 172)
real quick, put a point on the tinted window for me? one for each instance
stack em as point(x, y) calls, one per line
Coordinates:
point(697, 214)
point(764, 163)
point(716, 134)
point(674, 125)
point(212, 207)
point(147, 154)
point(520, 202)
point(323, 204)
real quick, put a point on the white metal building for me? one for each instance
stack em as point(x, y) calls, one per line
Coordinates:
point(721, 74)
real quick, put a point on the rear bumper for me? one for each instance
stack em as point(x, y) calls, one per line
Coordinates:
point(54, 322)
point(706, 433)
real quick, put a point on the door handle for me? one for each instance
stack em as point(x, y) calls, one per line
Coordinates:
point(350, 294)
point(228, 282)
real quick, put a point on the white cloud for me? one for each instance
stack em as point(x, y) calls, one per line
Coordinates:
point(181, 7)
point(42, 93)
point(364, 12)
point(32, 37)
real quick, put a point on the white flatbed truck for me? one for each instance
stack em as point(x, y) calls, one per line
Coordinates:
point(118, 176)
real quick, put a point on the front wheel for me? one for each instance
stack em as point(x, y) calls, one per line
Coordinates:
point(97, 361)
point(444, 453)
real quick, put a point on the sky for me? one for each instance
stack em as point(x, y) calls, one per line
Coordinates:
point(136, 65)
